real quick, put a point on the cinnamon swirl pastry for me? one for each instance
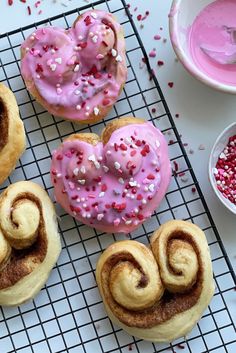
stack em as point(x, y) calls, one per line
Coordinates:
point(29, 241)
point(77, 73)
point(157, 293)
point(12, 134)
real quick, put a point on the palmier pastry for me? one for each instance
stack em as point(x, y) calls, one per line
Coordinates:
point(29, 241)
point(12, 133)
point(77, 73)
point(157, 293)
point(112, 183)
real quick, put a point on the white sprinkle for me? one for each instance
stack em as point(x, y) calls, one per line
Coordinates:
point(58, 60)
point(84, 214)
point(113, 52)
point(76, 171)
point(76, 48)
point(78, 200)
point(96, 111)
point(32, 38)
point(95, 39)
point(92, 158)
point(77, 92)
point(144, 202)
point(136, 210)
point(82, 199)
point(151, 187)
point(146, 189)
point(84, 205)
point(80, 37)
point(215, 171)
point(81, 181)
point(78, 107)
point(121, 180)
point(101, 194)
point(119, 58)
point(127, 223)
point(100, 216)
point(83, 169)
point(133, 183)
point(76, 69)
point(97, 165)
point(93, 14)
point(38, 76)
point(158, 143)
point(117, 165)
point(59, 175)
point(91, 34)
point(87, 108)
point(87, 114)
point(27, 49)
point(88, 215)
point(105, 168)
point(154, 163)
point(132, 197)
point(108, 153)
point(222, 156)
point(53, 51)
point(59, 90)
point(53, 67)
point(100, 158)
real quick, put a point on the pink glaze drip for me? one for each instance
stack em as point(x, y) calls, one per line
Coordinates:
point(79, 70)
point(212, 41)
point(115, 187)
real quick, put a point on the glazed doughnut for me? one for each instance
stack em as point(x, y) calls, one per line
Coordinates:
point(79, 73)
point(29, 242)
point(112, 183)
point(12, 133)
point(157, 293)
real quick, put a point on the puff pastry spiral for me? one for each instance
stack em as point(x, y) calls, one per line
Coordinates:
point(157, 294)
point(29, 241)
point(12, 133)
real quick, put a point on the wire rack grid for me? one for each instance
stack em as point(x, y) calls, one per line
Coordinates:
point(68, 314)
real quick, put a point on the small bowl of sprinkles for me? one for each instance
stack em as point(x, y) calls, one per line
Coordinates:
point(222, 167)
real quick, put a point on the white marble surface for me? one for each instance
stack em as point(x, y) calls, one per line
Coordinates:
point(204, 113)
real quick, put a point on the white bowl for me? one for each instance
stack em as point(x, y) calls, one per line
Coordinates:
point(218, 147)
point(181, 17)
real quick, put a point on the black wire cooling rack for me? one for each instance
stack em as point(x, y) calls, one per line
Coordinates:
point(68, 314)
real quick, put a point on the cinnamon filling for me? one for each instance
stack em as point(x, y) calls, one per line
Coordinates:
point(23, 262)
point(3, 125)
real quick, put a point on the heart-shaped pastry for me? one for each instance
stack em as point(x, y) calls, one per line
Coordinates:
point(12, 133)
point(78, 73)
point(29, 241)
point(158, 293)
point(115, 182)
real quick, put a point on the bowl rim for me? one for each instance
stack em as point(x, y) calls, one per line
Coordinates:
point(180, 52)
point(211, 177)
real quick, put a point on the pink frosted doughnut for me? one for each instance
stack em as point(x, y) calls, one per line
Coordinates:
point(112, 183)
point(78, 73)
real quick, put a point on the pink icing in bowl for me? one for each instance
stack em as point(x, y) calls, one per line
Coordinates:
point(113, 187)
point(187, 38)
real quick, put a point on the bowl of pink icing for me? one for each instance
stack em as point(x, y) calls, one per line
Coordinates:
point(203, 35)
point(222, 167)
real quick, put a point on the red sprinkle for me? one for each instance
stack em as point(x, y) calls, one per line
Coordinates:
point(106, 101)
point(160, 63)
point(139, 17)
point(29, 10)
point(10, 2)
point(170, 84)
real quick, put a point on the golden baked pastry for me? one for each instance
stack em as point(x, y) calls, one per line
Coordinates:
point(12, 133)
point(29, 241)
point(157, 293)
